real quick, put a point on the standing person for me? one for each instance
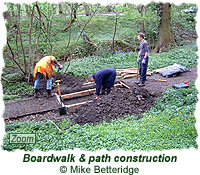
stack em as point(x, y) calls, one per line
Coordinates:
point(45, 69)
point(142, 59)
point(104, 78)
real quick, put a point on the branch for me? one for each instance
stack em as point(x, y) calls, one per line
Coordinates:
point(69, 36)
point(13, 58)
point(30, 43)
point(85, 26)
point(115, 30)
point(40, 16)
point(20, 36)
point(68, 43)
point(42, 25)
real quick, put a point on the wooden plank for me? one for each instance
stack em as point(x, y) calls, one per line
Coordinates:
point(129, 76)
point(133, 68)
point(129, 71)
point(88, 83)
point(149, 73)
point(117, 85)
point(134, 75)
point(82, 93)
point(124, 84)
point(77, 104)
point(77, 94)
point(124, 74)
point(120, 70)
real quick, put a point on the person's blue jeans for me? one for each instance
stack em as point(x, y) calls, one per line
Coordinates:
point(37, 81)
point(143, 69)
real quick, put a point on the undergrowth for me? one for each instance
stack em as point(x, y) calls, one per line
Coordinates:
point(184, 55)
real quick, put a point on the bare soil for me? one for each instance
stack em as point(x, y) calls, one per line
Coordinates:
point(119, 102)
point(157, 88)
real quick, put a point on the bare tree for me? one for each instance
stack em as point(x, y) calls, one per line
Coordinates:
point(82, 33)
point(115, 30)
point(74, 8)
point(28, 10)
point(39, 23)
point(30, 44)
point(83, 29)
point(13, 58)
point(20, 36)
point(42, 25)
point(69, 40)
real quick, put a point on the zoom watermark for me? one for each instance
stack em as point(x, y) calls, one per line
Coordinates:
point(22, 138)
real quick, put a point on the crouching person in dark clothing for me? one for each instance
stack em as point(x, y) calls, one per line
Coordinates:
point(105, 79)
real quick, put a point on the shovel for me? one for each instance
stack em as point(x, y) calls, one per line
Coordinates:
point(62, 109)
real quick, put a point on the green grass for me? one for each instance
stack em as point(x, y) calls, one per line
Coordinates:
point(184, 55)
point(170, 124)
point(16, 90)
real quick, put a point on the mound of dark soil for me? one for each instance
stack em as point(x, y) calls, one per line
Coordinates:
point(69, 83)
point(118, 103)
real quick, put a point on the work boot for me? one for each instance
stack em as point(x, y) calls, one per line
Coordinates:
point(137, 82)
point(108, 90)
point(48, 93)
point(141, 84)
point(102, 92)
point(36, 94)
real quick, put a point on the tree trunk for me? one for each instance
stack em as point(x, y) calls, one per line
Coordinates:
point(20, 36)
point(75, 7)
point(13, 58)
point(60, 9)
point(27, 10)
point(109, 8)
point(115, 30)
point(165, 36)
point(30, 45)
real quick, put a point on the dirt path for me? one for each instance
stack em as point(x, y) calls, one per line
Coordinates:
point(115, 105)
point(30, 106)
point(157, 88)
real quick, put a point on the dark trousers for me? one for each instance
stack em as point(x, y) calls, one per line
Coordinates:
point(143, 69)
point(108, 89)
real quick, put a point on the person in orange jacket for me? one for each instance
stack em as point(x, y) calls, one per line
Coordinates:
point(45, 69)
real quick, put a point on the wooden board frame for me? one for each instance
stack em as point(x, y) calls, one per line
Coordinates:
point(82, 93)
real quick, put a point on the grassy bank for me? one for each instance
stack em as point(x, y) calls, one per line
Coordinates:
point(184, 55)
